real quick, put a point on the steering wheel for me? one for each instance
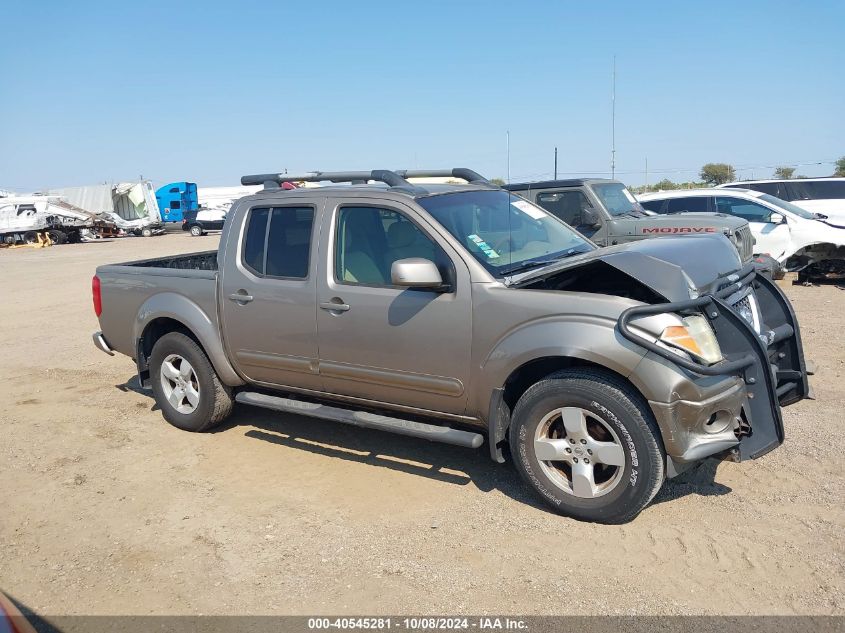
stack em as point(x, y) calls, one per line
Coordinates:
point(498, 245)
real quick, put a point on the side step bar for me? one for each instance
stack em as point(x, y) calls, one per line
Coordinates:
point(364, 419)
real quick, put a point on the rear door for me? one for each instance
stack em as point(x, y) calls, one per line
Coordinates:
point(773, 239)
point(381, 342)
point(268, 293)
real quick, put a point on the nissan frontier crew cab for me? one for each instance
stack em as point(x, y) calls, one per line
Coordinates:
point(460, 312)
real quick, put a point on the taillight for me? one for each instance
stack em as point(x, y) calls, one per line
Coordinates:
point(98, 300)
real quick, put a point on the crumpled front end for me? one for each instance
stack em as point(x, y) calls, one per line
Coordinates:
point(732, 407)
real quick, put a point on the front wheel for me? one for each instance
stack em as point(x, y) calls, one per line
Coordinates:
point(196, 230)
point(185, 385)
point(587, 443)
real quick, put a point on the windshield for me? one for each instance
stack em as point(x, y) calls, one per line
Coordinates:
point(788, 206)
point(502, 231)
point(616, 198)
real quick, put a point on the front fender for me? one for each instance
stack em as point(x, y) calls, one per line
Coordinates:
point(592, 339)
point(179, 308)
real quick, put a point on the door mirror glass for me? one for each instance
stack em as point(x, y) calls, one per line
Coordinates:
point(415, 272)
point(777, 218)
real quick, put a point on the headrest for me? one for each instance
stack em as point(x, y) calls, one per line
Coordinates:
point(401, 234)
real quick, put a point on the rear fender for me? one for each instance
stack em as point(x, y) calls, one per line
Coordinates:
point(179, 308)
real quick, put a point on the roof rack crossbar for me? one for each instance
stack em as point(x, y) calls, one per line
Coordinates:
point(271, 181)
point(457, 172)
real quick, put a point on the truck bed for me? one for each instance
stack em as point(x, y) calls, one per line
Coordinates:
point(187, 282)
point(206, 260)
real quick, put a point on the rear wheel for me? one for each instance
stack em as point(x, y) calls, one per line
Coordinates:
point(30, 237)
point(185, 385)
point(587, 443)
point(146, 232)
point(56, 236)
point(196, 230)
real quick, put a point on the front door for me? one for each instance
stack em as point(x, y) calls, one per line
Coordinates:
point(569, 205)
point(269, 295)
point(382, 342)
point(773, 239)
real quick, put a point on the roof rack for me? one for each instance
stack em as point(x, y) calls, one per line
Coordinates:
point(393, 179)
point(272, 181)
point(457, 172)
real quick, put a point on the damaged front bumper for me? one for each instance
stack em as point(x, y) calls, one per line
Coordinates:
point(731, 408)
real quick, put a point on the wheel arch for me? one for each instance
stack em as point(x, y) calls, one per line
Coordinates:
point(169, 312)
point(504, 398)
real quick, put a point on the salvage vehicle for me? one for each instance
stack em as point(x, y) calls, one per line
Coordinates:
point(606, 212)
point(131, 206)
point(451, 312)
point(200, 221)
point(22, 218)
point(822, 196)
point(801, 241)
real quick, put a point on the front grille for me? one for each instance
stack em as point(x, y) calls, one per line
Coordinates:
point(744, 243)
point(744, 303)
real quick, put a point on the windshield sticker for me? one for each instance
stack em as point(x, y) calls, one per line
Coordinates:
point(484, 246)
point(529, 209)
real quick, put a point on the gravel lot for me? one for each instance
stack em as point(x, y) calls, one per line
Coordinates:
point(106, 509)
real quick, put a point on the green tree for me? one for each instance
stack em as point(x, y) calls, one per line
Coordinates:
point(664, 185)
point(840, 167)
point(498, 181)
point(717, 173)
point(783, 173)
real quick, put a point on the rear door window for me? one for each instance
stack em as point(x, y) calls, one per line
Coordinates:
point(278, 241)
point(691, 204)
point(654, 205)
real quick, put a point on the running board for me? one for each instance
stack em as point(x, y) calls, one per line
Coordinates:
point(364, 419)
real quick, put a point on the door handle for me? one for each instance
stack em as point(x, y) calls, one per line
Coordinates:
point(334, 307)
point(241, 297)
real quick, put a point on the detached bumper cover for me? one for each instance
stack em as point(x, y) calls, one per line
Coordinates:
point(769, 366)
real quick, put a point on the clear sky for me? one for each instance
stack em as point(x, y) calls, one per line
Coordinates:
point(208, 91)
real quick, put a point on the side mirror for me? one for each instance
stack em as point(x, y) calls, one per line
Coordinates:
point(589, 217)
point(777, 218)
point(415, 272)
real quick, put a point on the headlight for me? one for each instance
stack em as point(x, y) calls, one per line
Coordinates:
point(695, 337)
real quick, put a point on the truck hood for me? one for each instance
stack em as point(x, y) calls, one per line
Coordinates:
point(677, 268)
point(686, 224)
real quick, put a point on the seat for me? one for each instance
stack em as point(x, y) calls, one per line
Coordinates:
point(404, 240)
point(360, 268)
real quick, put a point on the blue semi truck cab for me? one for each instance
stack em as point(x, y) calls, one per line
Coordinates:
point(176, 198)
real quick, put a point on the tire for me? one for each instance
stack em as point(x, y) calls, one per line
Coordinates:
point(57, 237)
point(213, 399)
point(196, 230)
point(146, 232)
point(30, 237)
point(618, 450)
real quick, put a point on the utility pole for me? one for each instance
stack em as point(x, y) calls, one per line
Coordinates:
point(508, 137)
point(613, 123)
point(646, 174)
point(555, 163)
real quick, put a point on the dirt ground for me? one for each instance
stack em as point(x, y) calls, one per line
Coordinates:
point(106, 509)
